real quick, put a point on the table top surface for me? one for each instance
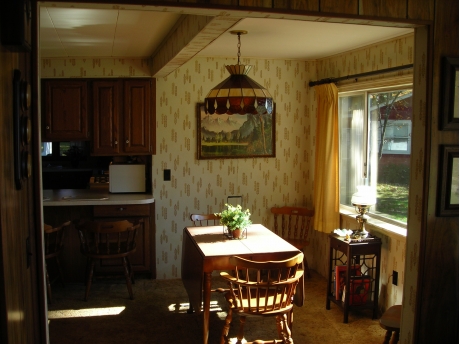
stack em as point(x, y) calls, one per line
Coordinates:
point(213, 243)
point(78, 197)
point(371, 240)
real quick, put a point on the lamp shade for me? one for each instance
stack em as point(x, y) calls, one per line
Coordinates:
point(238, 94)
point(365, 196)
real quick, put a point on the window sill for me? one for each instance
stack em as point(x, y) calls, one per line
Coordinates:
point(376, 225)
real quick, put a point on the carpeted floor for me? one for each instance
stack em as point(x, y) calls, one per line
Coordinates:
point(158, 315)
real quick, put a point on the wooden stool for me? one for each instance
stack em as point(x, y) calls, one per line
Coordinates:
point(391, 321)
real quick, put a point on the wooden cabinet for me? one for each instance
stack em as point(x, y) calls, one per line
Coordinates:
point(116, 114)
point(65, 110)
point(141, 259)
point(122, 117)
point(136, 117)
point(106, 117)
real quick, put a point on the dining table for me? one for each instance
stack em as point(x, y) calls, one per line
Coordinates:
point(207, 249)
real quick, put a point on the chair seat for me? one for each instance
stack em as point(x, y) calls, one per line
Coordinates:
point(391, 319)
point(53, 250)
point(112, 250)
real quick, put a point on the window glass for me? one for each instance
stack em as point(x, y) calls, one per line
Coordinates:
point(46, 148)
point(64, 147)
point(59, 150)
point(375, 147)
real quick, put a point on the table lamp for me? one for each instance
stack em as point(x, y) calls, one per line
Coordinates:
point(362, 200)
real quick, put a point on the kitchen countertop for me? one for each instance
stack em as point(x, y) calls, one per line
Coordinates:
point(76, 197)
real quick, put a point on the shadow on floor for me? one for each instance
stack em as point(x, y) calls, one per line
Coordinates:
point(158, 314)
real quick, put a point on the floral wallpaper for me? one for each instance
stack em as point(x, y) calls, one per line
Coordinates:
point(94, 67)
point(202, 186)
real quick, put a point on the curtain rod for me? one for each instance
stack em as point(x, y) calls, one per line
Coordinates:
point(354, 76)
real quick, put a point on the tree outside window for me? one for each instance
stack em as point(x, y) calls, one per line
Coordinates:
point(375, 141)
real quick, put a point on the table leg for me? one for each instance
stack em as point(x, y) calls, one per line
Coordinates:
point(206, 305)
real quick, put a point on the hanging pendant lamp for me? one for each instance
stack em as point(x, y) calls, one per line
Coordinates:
point(239, 94)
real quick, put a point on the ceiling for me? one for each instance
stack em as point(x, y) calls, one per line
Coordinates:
point(108, 32)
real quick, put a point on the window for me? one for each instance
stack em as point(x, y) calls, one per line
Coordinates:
point(375, 148)
point(59, 150)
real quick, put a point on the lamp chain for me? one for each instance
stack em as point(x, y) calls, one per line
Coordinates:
point(239, 46)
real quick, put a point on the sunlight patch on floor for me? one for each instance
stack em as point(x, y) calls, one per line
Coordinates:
point(183, 307)
point(234, 340)
point(87, 312)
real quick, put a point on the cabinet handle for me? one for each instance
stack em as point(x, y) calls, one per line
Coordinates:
point(47, 127)
point(116, 142)
point(127, 141)
point(121, 209)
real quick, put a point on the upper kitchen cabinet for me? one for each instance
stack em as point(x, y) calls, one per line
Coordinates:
point(106, 117)
point(123, 117)
point(65, 110)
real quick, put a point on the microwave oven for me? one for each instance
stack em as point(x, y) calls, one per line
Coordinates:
point(126, 178)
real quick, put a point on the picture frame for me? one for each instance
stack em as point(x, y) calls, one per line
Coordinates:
point(235, 136)
point(448, 189)
point(449, 101)
point(16, 25)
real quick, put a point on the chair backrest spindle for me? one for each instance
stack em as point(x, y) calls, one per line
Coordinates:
point(295, 222)
point(109, 237)
point(265, 286)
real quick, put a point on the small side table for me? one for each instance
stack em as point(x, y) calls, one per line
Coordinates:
point(358, 265)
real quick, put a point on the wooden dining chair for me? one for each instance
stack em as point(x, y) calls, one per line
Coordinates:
point(293, 225)
point(54, 242)
point(200, 220)
point(391, 322)
point(205, 219)
point(108, 240)
point(263, 289)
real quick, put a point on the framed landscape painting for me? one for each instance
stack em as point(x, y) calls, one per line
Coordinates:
point(235, 136)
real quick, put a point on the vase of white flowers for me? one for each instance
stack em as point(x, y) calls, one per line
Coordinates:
point(235, 219)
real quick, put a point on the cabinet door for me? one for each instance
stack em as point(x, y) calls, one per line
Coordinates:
point(137, 116)
point(65, 115)
point(106, 118)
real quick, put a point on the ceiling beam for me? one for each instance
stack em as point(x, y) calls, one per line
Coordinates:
point(191, 34)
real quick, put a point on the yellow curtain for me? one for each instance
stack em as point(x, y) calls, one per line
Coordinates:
point(326, 190)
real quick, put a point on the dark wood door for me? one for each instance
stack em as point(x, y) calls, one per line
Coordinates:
point(20, 290)
point(106, 117)
point(65, 113)
point(137, 116)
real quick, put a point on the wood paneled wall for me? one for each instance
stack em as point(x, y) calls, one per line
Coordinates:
point(18, 285)
point(437, 307)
